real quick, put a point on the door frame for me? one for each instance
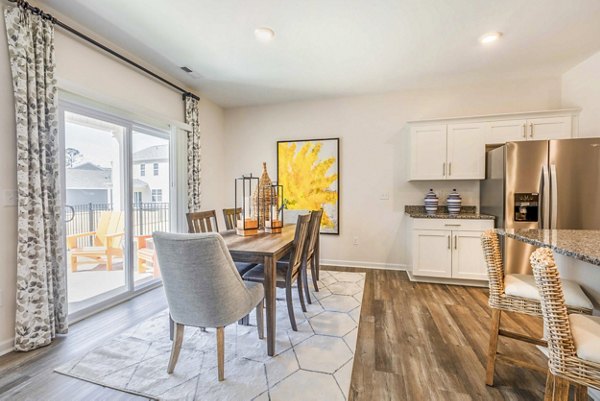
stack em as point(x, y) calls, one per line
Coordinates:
point(103, 301)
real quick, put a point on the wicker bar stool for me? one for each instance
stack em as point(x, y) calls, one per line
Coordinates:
point(517, 293)
point(573, 339)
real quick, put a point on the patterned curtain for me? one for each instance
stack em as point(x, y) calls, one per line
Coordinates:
point(193, 154)
point(41, 272)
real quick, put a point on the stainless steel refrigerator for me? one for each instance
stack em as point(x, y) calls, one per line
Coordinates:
point(541, 184)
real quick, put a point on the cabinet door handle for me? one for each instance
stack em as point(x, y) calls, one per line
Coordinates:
point(444, 169)
point(531, 130)
point(450, 169)
point(452, 225)
point(525, 131)
point(449, 246)
point(455, 242)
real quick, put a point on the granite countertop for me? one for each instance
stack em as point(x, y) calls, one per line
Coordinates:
point(466, 212)
point(579, 244)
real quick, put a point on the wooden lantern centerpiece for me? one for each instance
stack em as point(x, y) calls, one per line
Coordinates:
point(247, 223)
point(273, 208)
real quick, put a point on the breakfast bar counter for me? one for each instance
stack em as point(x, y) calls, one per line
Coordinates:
point(577, 254)
point(583, 245)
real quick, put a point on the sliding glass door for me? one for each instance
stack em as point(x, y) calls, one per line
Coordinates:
point(117, 191)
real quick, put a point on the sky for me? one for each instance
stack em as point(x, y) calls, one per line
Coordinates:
point(98, 145)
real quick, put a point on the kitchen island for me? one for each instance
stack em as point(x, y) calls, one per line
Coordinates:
point(576, 252)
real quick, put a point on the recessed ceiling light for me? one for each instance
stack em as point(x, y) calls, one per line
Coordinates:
point(490, 37)
point(264, 34)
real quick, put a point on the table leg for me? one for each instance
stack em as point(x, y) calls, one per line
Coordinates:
point(270, 301)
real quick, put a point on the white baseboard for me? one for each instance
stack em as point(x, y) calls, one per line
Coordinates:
point(452, 281)
point(7, 346)
point(366, 265)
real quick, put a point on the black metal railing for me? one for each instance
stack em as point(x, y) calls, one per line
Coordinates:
point(147, 217)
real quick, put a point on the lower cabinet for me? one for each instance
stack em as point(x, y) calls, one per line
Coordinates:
point(445, 248)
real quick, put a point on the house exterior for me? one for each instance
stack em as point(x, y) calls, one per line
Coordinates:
point(151, 165)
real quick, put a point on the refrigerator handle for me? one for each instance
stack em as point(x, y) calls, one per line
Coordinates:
point(545, 201)
point(554, 196)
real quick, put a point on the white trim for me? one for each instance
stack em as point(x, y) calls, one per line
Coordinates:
point(7, 346)
point(366, 265)
point(501, 116)
point(451, 281)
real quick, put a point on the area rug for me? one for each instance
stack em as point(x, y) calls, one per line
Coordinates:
point(314, 363)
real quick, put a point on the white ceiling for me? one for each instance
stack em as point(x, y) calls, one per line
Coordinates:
point(328, 48)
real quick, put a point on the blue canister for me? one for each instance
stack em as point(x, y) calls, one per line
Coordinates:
point(453, 202)
point(431, 202)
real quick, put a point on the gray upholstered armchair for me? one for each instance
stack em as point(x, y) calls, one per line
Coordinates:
point(203, 287)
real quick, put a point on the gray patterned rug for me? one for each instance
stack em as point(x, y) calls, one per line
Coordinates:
point(314, 363)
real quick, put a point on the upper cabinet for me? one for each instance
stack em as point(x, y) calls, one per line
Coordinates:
point(550, 128)
point(466, 151)
point(454, 148)
point(428, 152)
point(448, 152)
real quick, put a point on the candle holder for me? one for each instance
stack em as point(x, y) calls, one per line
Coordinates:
point(247, 222)
point(273, 207)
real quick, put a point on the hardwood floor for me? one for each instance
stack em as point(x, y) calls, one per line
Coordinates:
point(416, 342)
point(421, 341)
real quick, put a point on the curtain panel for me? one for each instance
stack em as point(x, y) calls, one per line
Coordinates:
point(41, 272)
point(193, 154)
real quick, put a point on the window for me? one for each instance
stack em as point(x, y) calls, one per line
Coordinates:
point(104, 192)
point(155, 168)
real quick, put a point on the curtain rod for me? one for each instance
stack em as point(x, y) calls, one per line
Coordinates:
point(40, 12)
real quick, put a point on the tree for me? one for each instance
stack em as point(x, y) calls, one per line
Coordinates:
point(72, 156)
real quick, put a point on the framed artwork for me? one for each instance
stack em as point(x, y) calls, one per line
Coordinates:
point(309, 172)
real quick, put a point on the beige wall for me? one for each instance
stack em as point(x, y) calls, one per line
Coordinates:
point(80, 66)
point(374, 156)
point(581, 88)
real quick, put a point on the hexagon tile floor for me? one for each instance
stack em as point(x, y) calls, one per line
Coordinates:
point(314, 363)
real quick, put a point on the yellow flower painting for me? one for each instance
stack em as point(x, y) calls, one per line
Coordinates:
point(309, 173)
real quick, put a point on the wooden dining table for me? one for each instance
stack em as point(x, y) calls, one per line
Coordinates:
point(267, 249)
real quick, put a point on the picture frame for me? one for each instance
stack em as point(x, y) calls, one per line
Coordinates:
point(319, 160)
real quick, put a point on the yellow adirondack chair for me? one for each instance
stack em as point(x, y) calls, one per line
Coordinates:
point(107, 241)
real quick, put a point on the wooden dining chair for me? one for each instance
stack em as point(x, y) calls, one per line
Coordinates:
point(309, 254)
point(202, 222)
point(231, 216)
point(573, 339)
point(287, 274)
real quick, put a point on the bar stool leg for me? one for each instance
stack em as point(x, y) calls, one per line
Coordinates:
point(549, 391)
point(561, 389)
point(493, 346)
point(581, 393)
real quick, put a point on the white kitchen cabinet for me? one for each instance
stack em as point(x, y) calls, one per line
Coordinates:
point(428, 152)
point(454, 148)
point(432, 253)
point(448, 152)
point(506, 131)
point(531, 129)
point(448, 248)
point(467, 256)
point(466, 151)
point(549, 128)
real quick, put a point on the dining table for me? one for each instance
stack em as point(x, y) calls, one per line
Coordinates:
point(265, 248)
